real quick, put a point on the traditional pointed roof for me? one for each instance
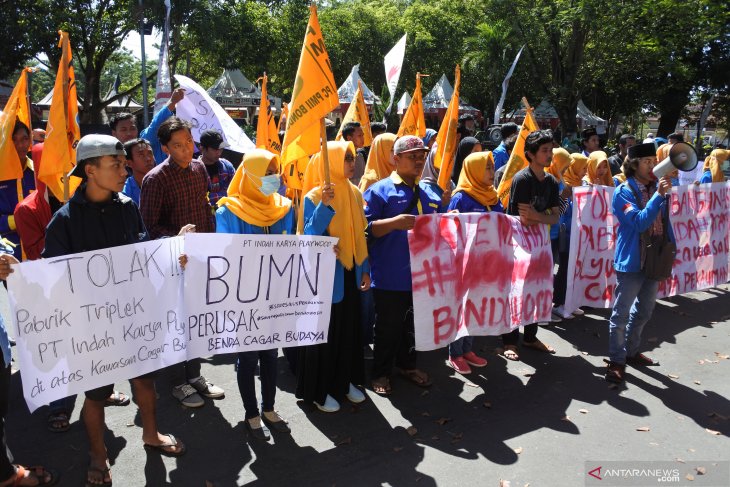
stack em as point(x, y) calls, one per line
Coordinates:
point(123, 102)
point(403, 103)
point(233, 84)
point(346, 92)
point(440, 96)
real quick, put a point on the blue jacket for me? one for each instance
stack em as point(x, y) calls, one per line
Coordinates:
point(4, 339)
point(464, 203)
point(227, 222)
point(706, 177)
point(316, 220)
point(12, 192)
point(150, 133)
point(632, 222)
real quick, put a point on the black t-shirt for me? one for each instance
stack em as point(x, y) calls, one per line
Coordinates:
point(526, 188)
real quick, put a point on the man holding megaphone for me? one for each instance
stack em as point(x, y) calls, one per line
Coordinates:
point(644, 252)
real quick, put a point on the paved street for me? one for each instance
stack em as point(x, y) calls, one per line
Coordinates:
point(533, 422)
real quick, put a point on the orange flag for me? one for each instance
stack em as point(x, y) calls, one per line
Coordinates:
point(284, 115)
point(446, 138)
point(414, 122)
point(267, 134)
point(314, 95)
point(517, 160)
point(62, 130)
point(17, 108)
point(358, 112)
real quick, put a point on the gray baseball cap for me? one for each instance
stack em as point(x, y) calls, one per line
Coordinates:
point(95, 145)
point(409, 143)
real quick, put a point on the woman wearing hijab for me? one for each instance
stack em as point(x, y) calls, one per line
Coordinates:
point(380, 161)
point(573, 176)
point(467, 145)
point(475, 193)
point(598, 172)
point(712, 170)
point(430, 138)
point(560, 233)
point(329, 372)
point(254, 207)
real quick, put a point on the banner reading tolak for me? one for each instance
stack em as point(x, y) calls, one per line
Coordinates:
point(700, 219)
point(477, 274)
point(257, 292)
point(87, 320)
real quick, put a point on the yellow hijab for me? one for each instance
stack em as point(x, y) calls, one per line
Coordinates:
point(349, 223)
point(662, 152)
point(245, 198)
point(561, 160)
point(378, 166)
point(471, 179)
point(577, 163)
point(594, 160)
point(714, 161)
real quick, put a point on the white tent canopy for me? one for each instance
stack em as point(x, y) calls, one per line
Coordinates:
point(545, 110)
point(403, 103)
point(346, 92)
point(234, 89)
point(440, 96)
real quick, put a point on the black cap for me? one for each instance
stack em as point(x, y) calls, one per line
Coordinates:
point(642, 150)
point(213, 140)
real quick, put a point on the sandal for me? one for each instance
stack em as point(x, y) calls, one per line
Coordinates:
point(540, 346)
point(40, 474)
point(418, 377)
point(58, 422)
point(118, 398)
point(381, 386)
point(510, 353)
point(100, 474)
point(173, 448)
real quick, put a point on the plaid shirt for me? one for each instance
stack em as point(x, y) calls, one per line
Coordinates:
point(172, 197)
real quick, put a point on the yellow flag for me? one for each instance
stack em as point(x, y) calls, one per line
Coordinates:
point(314, 95)
point(284, 115)
point(267, 134)
point(62, 130)
point(446, 138)
point(358, 112)
point(517, 160)
point(414, 122)
point(17, 108)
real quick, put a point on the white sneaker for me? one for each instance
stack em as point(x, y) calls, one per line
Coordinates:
point(555, 318)
point(560, 311)
point(330, 405)
point(187, 396)
point(355, 395)
point(578, 312)
point(207, 388)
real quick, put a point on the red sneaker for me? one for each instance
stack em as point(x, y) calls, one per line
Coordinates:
point(459, 365)
point(474, 360)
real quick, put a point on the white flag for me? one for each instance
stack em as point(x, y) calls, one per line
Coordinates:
point(505, 84)
point(205, 113)
point(163, 90)
point(393, 68)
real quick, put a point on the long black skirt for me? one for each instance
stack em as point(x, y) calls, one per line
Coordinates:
point(329, 368)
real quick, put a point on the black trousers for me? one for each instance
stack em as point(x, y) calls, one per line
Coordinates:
point(513, 337)
point(6, 468)
point(560, 281)
point(394, 334)
point(180, 373)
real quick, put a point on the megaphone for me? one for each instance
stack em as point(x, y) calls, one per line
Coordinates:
point(682, 156)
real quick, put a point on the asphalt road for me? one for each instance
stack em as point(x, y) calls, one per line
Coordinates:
point(544, 421)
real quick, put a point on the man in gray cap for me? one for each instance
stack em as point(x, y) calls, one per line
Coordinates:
point(98, 216)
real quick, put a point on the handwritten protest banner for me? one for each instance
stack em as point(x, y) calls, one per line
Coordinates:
point(700, 219)
point(87, 320)
point(256, 292)
point(477, 274)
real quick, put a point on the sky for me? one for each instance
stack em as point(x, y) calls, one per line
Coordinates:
point(132, 43)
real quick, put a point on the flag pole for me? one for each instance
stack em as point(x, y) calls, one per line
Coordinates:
point(527, 105)
point(325, 156)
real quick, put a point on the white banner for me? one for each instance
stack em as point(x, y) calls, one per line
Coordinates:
point(505, 84)
point(477, 274)
point(91, 319)
point(393, 67)
point(204, 113)
point(256, 292)
point(163, 88)
point(700, 219)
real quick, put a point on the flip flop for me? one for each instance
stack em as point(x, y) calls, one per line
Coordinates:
point(381, 386)
point(164, 448)
point(37, 472)
point(103, 472)
point(510, 353)
point(118, 398)
point(418, 377)
point(58, 422)
point(539, 346)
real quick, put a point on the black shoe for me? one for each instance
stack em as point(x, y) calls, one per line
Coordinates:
point(261, 433)
point(641, 360)
point(278, 426)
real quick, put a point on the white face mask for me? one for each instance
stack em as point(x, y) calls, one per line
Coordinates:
point(269, 184)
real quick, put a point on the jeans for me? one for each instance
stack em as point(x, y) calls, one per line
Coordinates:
point(635, 299)
point(461, 346)
point(246, 385)
point(394, 333)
